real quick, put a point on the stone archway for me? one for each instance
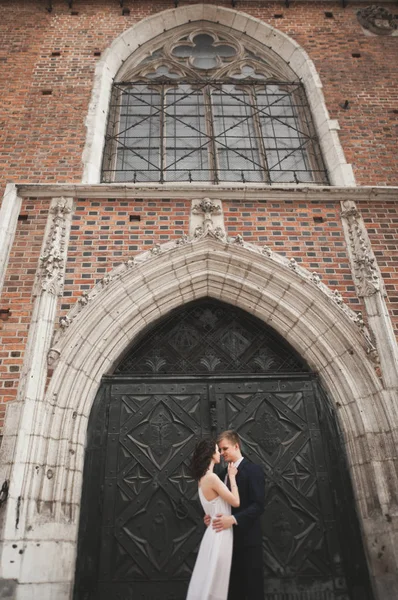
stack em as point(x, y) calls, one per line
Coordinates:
point(203, 368)
point(139, 293)
point(238, 23)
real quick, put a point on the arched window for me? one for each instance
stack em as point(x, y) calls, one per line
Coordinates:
point(206, 107)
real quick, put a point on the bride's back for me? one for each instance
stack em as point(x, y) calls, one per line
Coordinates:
point(215, 506)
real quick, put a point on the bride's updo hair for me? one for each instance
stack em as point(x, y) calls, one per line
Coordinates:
point(201, 458)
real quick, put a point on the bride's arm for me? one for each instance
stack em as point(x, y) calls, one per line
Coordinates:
point(232, 497)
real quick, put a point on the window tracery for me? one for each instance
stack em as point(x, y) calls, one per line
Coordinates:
point(206, 107)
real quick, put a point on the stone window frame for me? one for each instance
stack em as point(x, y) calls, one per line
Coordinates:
point(172, 119)
point(127, 48)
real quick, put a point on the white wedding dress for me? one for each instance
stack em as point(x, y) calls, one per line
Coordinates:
point(210, 577)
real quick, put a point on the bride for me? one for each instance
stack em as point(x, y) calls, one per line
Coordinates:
point(210, 577)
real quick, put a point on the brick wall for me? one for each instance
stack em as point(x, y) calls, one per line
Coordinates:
point(309, 232)
point(47, 63)
point(106, 232)
point(17, 300)
point(381, 221)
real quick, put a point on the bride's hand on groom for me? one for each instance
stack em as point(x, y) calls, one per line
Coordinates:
point(232, 470)
point(221, 522)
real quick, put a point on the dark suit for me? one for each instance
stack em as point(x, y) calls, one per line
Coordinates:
point(246, 580)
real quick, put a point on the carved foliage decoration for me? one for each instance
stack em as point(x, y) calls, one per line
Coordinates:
point(211, 337)
point(52, 261)
point(377, 20)
point(365, 272)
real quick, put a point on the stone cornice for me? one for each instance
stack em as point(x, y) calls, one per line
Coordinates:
point(249, 192)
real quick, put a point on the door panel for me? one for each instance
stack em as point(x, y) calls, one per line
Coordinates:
point(278, 424)
point(151, 513)
point(141, 519)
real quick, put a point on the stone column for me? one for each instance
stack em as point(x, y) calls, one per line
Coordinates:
point(24, 559)
point(9, 213)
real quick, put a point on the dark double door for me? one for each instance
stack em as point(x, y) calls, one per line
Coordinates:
point(141, 519)
point(204, 368)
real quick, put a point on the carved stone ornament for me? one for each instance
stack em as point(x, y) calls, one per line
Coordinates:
point(199, 234)
point(365, 273)
point(377, 20)
point(52, 261)
point(53, 357)
point(207, 209)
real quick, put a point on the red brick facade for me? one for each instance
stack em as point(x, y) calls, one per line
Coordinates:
point(48, 59)
point(47, 64)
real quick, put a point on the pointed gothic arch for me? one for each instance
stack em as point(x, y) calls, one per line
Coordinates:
point(309, 320)
point(284, 49)
point(135, 296)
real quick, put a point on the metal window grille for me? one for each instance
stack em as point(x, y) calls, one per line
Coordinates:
point(213, 131)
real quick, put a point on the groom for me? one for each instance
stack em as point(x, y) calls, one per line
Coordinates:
point(246, 579)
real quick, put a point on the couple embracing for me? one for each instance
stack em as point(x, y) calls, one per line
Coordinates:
point(229, 565)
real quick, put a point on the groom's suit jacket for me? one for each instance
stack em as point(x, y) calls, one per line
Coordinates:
point(251, 485)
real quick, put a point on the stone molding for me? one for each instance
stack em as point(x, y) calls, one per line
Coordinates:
point(50, 275)
point(365, 272)
point(208, 209)
point(369, 285)
point(192, 191)
point(233, 22)
point(9, 213)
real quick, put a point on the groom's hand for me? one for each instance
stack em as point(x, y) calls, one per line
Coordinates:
point(221, 522)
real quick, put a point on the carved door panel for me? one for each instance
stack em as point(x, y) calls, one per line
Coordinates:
point(204, 368)
point(278, 423)
point(152, 520)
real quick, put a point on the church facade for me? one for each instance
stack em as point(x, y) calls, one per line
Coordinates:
point(198, 232)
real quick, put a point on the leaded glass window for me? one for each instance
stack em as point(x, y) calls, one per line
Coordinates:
point(208, 108)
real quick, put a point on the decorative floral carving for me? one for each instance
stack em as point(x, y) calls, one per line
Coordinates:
point(364, 265)
point(210, 361)
point(130, 262)
point(264, 361)
point(208, 209)
point(52, 261)
point(238, 240)
point(315, 278)
point(184, 239)
point(64, 322)
point(219, 233)
point(337, 297)
point(198, 232)
point(293, 264)
point(84, 299)
point(267, 251)
point(155, 364)
point(106, 280)
point(156, 249)
point(377, 19)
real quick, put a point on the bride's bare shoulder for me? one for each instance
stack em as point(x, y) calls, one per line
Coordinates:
point(208, 478)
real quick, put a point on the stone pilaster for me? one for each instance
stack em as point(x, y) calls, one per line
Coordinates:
point(9, 213)
point(369, 286)
point(21, 461)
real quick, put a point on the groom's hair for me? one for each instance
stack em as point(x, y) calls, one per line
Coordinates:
point(231, 436)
